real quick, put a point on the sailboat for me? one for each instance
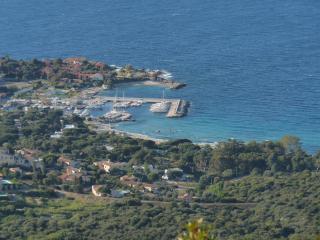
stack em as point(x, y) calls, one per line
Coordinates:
point(117, 116)
point(122, 104)
point(160, 107)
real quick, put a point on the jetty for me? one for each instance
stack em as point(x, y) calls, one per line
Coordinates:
point(178, 107)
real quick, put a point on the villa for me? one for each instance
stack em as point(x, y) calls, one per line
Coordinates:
point(71, 174)
point(108, 165)
point(64, 160)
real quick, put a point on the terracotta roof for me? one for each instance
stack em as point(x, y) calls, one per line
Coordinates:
point(74, 59)
point(127, 178)
point(65, 160)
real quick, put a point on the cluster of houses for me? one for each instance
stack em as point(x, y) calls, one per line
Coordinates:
point(28, 159)
point(74, 66)
point(98, 71)
point(131, 182)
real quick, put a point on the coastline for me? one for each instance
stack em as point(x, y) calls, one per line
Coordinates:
point(166, 83)
point(100, 127)
point(156, 140)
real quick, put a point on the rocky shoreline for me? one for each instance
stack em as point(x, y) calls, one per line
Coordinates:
point(165, 83)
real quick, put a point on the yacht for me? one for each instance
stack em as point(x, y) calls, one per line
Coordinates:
point(136, 103)
point(160, 107)
point(117, 116)
point(122, 104)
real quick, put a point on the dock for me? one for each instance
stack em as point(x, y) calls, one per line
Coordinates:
point(173, 111)
point(178, 107)
point(135, 99)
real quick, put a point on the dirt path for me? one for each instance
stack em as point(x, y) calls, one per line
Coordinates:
point(89, 197)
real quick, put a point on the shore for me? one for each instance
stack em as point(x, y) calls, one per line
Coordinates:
point(153, 83)
point(100, 127)
point(156, 140)
point(164, 83)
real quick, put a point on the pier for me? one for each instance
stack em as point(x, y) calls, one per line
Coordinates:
point(178, 107)
point(173, 111)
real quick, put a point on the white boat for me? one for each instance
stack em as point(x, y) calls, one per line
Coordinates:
point(117, 116)
point(85, 113)
point(161, 107)
point(77, 111)
point(94, 107)
point(136, 104)
point(122, 104)
point(105, 86)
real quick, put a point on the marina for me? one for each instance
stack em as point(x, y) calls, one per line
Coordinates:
point(178, 107)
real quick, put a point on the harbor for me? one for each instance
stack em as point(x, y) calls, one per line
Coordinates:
point(88, 102)
point(178, 107)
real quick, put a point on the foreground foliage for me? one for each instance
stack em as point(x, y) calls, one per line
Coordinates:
point(287, 207)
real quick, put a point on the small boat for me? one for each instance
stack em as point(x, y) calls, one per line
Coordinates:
point(136, 104)
point(84, 113)
point(122, 104)
point(161, 107)
point(105, 86)
point(117, 116)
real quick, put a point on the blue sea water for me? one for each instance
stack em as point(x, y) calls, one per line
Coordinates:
point(252, 67)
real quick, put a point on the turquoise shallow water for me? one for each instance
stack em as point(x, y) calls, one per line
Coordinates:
point(252, 68)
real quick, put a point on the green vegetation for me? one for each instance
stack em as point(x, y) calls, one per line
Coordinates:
point(68, 73)
point(21, 70)
point(287, 207)
point(196, 230)
point(266, 190)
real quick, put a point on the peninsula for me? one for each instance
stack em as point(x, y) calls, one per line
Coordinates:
point(79, 72)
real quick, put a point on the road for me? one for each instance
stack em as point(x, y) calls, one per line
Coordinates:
point(154, 202)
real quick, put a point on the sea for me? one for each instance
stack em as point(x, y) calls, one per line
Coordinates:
point(252, 68)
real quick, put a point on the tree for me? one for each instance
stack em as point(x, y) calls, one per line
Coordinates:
point(290, 143)
point(196, 230)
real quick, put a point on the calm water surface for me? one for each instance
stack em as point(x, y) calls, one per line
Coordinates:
point(252, 67)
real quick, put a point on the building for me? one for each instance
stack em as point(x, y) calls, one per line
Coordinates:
point(119, 193)
point(97, 77)
point(75, 60)
point(96, 190)
point(149, 187)
point(149, 168)
point(185, 197)
point(57, 134)
point(15, 170)
point(127, 178)
point(12, 159)
point(6, 185)
point(108, 165)
point(71, 174)
point(69, 126)
point(31, 156)
point(100, 65)
point(172, 174)
point(64, 160)
point(132, 181)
